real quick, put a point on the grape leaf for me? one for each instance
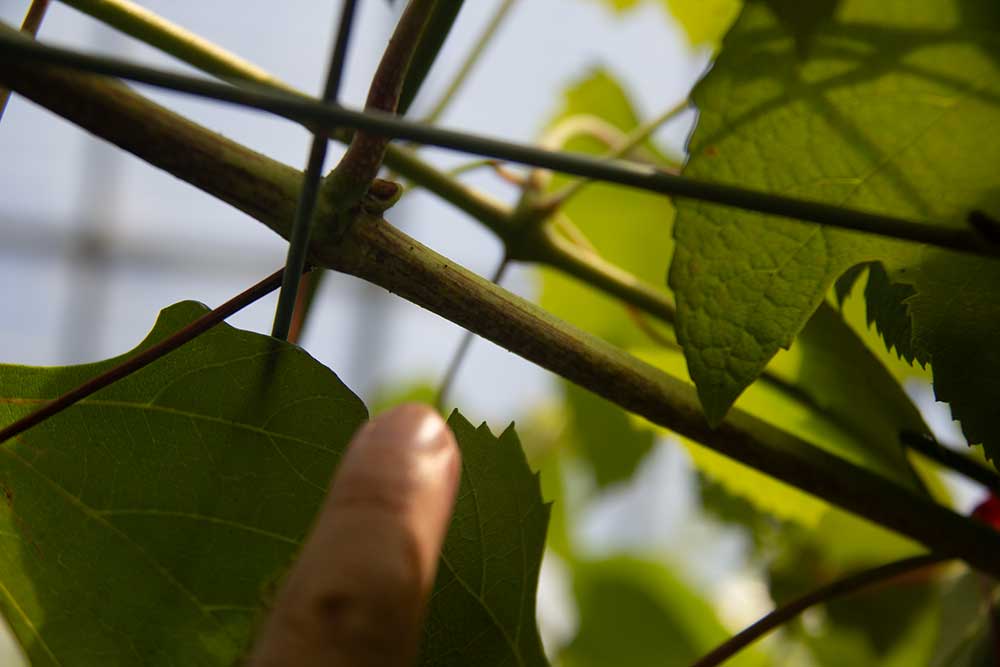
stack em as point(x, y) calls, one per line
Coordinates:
point(635, 613)
point(148, 523)
point(482, 610)
point(884, 114)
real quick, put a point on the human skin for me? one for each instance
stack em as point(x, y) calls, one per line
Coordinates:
point(357, 593)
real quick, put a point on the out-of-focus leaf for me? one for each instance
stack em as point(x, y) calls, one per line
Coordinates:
point(482, 610)
point(704, 21)
point(814, 417)
point(147, 523)
point(634, 613)
point(621, 5)
point(415, 391)
point(887, 123)
point(837, 374)
point(604, 436)
point(639, 241)
point(965, 637)
point(892, 624)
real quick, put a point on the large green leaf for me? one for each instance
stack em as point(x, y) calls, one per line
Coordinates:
point(148, 523)
point(483, 608)
point(635, 613)
point(884, 113)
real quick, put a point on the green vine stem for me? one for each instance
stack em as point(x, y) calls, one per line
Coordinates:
point(188, 47)
point(32, 22)
point(359, 166)
point(381, 254)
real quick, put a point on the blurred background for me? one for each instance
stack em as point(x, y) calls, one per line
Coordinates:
point(94, 242)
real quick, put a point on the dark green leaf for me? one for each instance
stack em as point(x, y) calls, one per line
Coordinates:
point(482, 611)
point(956, 321)
point(885, 303)
point(148, 523)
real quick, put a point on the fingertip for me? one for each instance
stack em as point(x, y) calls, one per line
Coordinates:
point(358, 590)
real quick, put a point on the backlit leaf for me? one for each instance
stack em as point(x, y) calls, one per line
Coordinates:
point(635, 613)
point(884, 114)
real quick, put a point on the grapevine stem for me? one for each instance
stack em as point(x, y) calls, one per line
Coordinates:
point(350, 179)
point(623, 172)
point(790, 610)
point(144, 358)
point(462, 351)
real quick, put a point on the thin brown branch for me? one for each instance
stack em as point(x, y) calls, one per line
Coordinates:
point(375, 251)
point(144, 358)
point(790, 610)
